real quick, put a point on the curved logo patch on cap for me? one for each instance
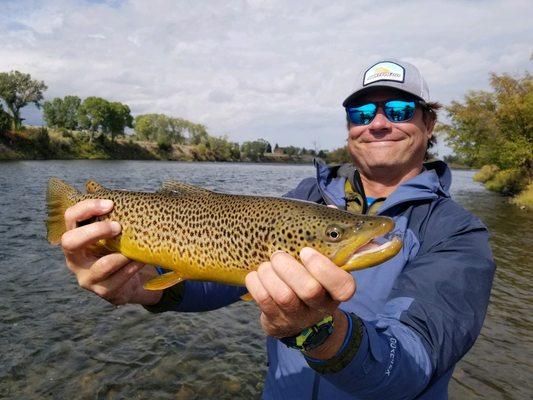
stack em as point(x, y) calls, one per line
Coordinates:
point(384, 71)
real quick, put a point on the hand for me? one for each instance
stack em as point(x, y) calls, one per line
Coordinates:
point(293, 296)
point(113, 277)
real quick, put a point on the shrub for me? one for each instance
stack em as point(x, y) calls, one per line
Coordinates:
point(164, 144)
point(524, 198)
point(486, 173)
point(508, 181)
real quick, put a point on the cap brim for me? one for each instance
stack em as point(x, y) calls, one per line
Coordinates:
point(353, 97)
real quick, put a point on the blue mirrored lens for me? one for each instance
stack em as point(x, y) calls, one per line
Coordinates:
point(399, 110)
point(362, 115)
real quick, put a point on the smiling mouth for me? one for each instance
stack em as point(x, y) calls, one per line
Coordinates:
point(383, 140)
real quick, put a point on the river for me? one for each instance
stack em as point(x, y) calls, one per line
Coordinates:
point(59, 341)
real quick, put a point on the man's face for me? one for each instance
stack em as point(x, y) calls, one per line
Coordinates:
point(383, 144)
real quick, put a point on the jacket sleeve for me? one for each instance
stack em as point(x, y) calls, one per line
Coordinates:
point(432, 317)
point(193, 296)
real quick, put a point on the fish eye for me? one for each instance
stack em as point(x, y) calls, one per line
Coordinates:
point(333, 233)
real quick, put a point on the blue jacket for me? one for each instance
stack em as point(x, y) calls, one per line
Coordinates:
point(421, 311)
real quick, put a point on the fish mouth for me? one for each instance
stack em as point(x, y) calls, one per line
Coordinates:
point(370, 248)
point(373, 253)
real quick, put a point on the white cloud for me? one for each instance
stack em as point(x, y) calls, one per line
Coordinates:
point(249, 69)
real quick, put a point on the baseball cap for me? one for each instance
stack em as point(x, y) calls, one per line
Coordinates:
point(390, 73)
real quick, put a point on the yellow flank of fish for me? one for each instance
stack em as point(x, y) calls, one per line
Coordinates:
point(203, 235)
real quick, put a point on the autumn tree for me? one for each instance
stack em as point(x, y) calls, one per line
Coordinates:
point(17, 90)
point(495, 128)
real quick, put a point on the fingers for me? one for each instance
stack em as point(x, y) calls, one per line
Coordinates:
point(112, 289)
point(76, 239)
point(108, 275)
point(106, 266)
point(260, 294)
point(86, 209)
point(281, 293)
point(295, 276)
point(338, 283)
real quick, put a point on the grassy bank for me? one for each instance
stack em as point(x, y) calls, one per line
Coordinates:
point(48, 144)
point(514, 182)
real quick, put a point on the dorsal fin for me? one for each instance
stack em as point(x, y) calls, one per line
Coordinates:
point(183, 188)
point(93, 186)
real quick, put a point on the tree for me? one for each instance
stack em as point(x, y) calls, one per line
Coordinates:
point(62, 113)
point(18, 90)
point(118, 118)
point(93, 114)
point(99, 115)
point(494, 130)
point(291, 150)
point(337, 156)
point(197, 132)
point(156, 127)
point(494, 127)
point(5, 121)
point(254, 150)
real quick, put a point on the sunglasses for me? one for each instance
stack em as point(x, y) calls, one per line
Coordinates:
point(394, 110)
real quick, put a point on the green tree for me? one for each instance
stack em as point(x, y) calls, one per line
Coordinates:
point(197, 132)
point(5, 121)
point(291, 150)
point(93, 114)
point(118, 118)
point(254, 150)
point(337, 156)
point(99, 115)
point(62, 113)
point(18, 90)
point(157, 127)
point(222, 149)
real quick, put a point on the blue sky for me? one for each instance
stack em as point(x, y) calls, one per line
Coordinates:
point(248, 69)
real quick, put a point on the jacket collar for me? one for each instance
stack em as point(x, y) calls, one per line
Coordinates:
point(431, 183)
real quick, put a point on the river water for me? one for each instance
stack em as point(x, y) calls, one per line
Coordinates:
point(59, 341)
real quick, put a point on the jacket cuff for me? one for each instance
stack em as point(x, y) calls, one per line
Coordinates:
point(170, 300)
point(347, 351)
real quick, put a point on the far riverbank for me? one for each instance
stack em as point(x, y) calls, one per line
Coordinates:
point(39, 143)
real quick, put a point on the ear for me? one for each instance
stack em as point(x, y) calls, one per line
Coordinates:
point(430, 126)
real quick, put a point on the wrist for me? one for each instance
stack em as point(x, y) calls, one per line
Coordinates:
point(334, 342)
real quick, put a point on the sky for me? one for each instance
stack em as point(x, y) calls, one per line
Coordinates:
point(250, 69)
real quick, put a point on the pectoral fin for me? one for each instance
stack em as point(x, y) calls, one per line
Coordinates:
point(163, 281)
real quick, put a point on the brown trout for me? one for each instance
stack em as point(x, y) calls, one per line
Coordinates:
point(203, 235)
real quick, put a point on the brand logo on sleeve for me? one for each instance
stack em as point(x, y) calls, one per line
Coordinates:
point(384, 71)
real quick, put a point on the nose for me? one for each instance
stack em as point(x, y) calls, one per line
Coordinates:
point(380, 121)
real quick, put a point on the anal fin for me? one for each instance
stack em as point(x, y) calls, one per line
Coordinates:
point(163, 281)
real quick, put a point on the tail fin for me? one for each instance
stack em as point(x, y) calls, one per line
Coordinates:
point(59, 197)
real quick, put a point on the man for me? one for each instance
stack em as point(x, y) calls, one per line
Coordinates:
point(400, 334)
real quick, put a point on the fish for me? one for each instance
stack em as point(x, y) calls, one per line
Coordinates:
point(198, 234)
